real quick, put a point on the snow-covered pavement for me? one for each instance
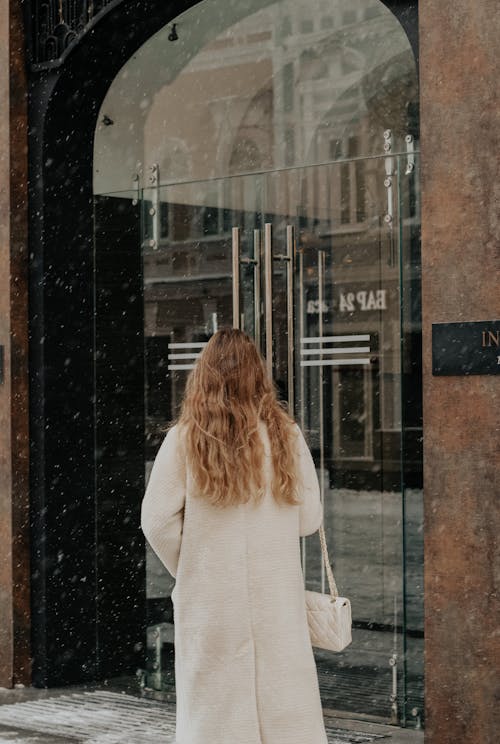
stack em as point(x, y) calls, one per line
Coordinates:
point(109, 717)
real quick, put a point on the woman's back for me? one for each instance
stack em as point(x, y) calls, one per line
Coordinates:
point(244, 667)
point(245, 671)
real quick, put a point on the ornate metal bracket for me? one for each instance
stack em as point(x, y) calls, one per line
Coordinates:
point(57, 25)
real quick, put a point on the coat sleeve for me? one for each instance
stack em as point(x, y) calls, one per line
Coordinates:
point(311, 508)
point(162, 510)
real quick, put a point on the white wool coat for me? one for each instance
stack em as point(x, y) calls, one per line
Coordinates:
point(244, 667)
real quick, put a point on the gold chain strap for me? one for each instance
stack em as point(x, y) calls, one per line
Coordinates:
point(331, 581)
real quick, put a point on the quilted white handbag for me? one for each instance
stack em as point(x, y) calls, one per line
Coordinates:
point(328, 615)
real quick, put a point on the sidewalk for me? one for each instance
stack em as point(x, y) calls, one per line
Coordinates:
point(105, 715)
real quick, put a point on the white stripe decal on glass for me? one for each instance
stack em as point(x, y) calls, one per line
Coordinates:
point(341, 350)
point(193, 351)
point(183, 345)
point(332, 362)
point(335, 339)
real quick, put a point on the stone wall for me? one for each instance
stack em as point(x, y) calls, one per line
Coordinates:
point(460, 108)
point(14, 523)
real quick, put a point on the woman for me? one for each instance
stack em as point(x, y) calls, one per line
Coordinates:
point(232, 488)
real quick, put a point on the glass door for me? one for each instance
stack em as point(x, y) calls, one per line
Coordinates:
point(318, 264)
point(348, 401)
point(189, 234)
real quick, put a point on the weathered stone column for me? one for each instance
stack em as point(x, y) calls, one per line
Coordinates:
point(460, 114)
point(14, 445)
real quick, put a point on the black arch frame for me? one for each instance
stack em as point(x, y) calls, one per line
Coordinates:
point(76, 610)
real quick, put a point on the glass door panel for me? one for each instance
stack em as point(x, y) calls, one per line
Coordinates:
point(348, 401)
point(189, 233)
point(186, 254)
point(317, 265)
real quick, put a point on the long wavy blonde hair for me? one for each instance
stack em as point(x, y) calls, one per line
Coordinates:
point(227, 393)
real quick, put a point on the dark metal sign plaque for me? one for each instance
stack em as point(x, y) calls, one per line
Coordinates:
point(466, 348)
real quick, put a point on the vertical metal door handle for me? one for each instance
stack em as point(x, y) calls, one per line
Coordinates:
point(302, 386)
point(236, 276)
point(256, 286)
point(290, 274)
point(268, 288)
point(321, 285)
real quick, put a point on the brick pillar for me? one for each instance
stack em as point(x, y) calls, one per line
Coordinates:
point(14, 517)
point(460, 115)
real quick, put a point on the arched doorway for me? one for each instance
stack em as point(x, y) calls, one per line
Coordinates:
point(281, 140)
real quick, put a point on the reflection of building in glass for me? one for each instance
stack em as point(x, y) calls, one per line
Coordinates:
point(287, 85)
point(316, 87)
